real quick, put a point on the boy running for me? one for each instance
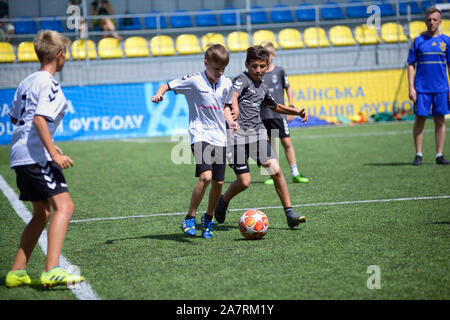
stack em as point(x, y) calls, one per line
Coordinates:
point(37, 110)
point(209, 96)
point(251, 140)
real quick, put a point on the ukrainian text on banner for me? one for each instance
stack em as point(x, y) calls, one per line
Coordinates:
point(111, 111)
point(349, 93)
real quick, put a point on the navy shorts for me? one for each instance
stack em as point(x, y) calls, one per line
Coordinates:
point(209, 158)
point(260, 151)
point(435, 104)
point(40, 181)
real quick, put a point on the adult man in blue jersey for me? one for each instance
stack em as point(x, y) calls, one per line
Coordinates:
point(428, 86)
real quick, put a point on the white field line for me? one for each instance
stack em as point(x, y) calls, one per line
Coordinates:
point(82, 291)
point(271, 207)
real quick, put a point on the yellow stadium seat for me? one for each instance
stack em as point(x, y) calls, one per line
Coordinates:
point(212, 38)
point(445, 27)
point(416, 28)
point(187, 44)
point(6, 52)
point(26, 53)
point(392, 32)
point(136, 47)
point(238, 41)
point(109, 48)
point(341, 36)
point(290, 39)
point(315, 37)
point(365, 34)
point(264, 35)
point(162, 46)
point(79, 49)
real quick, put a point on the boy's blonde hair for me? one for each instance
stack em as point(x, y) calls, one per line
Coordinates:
point(217, 54)
point(48, 43)
point(269, 46)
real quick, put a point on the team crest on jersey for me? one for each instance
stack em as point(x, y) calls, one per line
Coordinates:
point(274, 78)
point(443, 46)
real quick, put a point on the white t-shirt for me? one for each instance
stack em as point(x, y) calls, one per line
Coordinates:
point(38, 94)
point(206, 102)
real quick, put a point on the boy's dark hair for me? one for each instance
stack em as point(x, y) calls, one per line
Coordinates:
point(257, 53)
point(217, 54)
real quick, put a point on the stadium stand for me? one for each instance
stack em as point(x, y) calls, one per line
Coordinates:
point(386, 9)
point(305, 12)
point(180, 19)
point(136, 47)
point(332, 11)
point(6, 52)
point(290, 39)
point(265, 35)
point(258, 15)
point(365, 34)
point(392, 32)
point(162, 45)
point(212, 38)
point(25, 26)
point(416, 28)
point(130, 23)
point(414, 7)
point(151, 22)
point(26, 53)
point(238, 41)
point(281, 13)
point(187, 44)
point(356, 9)
point(341, 36)
point(445, 26)
point(79, 49)
point(228, 17)
point(52, 24)
point(109, 48)
point(315, 37)
point(205, 18)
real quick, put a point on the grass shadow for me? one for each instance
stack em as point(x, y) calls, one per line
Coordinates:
point(178, 237)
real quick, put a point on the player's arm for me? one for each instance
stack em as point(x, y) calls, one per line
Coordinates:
point(412, 90)
point(302, 113)
point(290, 95)
point(44, 134)
point(160, 93)
point(229, 117)
point(235, 106)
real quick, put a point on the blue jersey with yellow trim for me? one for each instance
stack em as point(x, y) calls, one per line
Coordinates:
point(431, 56)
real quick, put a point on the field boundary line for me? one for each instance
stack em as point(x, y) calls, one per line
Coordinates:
point(83, 291)
point(269, 207)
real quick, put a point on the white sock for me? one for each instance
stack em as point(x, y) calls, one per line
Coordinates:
point(294, 170)
point(439, 155)
point(419, 154)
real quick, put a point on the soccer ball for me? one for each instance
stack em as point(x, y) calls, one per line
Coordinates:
point(253, 224)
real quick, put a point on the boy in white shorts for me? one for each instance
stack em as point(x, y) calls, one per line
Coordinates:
point(37, 109)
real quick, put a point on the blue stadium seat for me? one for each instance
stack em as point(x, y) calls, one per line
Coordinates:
point(258, 15)
point(228, 17)
point(150, 22)
point(180, 20)
point(332, 12)
point(281, 13)
point(130, 23)
point(305, 12)
point(52, 24)
point(206, 18)
point(426, 4)
point(356, 9)
point(386, 9)
point(25, 27)
point(403, 8)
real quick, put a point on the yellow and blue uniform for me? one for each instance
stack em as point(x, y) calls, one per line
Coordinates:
point(431, 55)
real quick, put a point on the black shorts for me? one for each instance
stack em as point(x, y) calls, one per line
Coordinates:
point(277, 124)
point(209, 158)
point(260, 151)
point(38, 182)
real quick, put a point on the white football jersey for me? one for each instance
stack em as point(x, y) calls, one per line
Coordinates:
point(38, 94)
point(206, 102)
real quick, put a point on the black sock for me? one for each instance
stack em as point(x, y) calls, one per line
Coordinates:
point(288, 210)
point(208, 217)
point(189, 217)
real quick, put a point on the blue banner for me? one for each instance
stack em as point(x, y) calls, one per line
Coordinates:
point(111, 111)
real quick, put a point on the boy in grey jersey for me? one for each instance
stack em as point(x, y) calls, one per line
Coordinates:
point(276, 79)
point(251, 140)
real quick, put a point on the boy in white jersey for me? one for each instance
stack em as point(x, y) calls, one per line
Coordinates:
point(209, 95)
point(38, 107)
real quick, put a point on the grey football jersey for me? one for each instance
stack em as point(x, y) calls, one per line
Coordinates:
point(252, 97)
point(276, 80)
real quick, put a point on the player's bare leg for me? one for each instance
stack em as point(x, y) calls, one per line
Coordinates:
point(418, 133)
point(439, 133)
point(241, 183)
point(199, 191)
point(214, 195)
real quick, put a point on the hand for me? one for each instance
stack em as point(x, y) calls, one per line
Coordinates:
point(58, 150)
point(62, 160)
point(157, 98)
point(234, 126)
point(234, 114)
point(303, 114)
point(413, 95)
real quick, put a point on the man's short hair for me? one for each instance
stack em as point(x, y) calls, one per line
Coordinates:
point(432, 10)
point(217, 54)
point(48, 43)
point(257, 53)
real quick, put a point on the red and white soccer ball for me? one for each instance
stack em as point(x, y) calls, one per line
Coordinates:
point(253, 224)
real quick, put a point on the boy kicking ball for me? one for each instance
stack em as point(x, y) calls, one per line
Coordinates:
point(251, 140)
point(37, 110)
